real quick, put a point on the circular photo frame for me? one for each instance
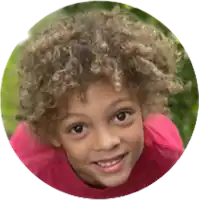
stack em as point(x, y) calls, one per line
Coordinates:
point(97, 91)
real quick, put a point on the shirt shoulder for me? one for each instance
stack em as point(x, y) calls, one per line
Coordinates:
point(163, 142)
point(45, 162)
point(160, 130)
point(34, 155)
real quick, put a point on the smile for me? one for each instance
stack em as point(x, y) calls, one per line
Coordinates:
point(110, 165)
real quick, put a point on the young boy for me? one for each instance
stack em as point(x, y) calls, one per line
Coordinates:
point(93, 97)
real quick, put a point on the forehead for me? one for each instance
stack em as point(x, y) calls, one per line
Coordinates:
point(99, 94)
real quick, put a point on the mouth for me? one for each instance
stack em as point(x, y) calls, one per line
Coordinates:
point(114, 164)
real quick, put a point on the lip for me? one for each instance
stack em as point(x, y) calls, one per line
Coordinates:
point(111, 159)
point(112, 168)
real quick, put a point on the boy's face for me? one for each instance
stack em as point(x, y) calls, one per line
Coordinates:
point(103, 137)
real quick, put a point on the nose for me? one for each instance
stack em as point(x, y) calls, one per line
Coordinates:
point(106, 140)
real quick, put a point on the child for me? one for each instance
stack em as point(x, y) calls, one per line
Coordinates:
point(93, 97)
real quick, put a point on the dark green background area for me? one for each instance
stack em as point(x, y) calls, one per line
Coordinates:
point(184, 106)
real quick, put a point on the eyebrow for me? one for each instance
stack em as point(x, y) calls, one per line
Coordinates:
point(122, 99)
point(110, 107)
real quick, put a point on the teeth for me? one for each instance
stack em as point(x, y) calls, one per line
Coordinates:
point(108, 164)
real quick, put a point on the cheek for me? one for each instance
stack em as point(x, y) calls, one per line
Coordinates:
point(134, 135)
point(76, 150)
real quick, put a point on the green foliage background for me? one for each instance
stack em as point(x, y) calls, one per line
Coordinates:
point(184, 106)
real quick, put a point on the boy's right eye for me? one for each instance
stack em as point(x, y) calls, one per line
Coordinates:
point(78, 129)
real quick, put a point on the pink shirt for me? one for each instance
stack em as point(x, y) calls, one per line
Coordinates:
point(163, 147)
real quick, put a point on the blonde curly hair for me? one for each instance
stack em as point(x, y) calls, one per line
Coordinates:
point(75, 51)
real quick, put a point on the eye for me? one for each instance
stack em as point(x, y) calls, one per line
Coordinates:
point(78, 129)
point(123, 117)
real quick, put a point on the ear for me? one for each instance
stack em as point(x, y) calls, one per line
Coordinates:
point(55, 143)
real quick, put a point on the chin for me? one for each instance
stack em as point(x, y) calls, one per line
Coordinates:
point(118, 178)
point(115, 181)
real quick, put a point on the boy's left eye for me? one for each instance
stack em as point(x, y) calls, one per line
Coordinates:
point(123, 116)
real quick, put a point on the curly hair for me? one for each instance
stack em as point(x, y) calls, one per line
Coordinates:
point(75, 51)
